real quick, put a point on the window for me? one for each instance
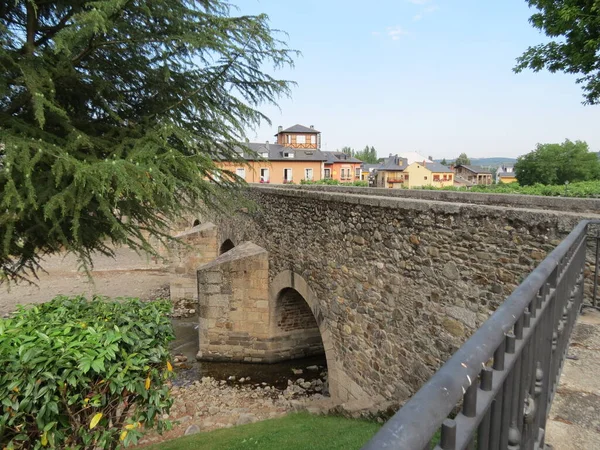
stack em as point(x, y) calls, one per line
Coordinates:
point(264, 154)
point(241, 172)
point(425, 177)
point(327, 173)
point(288, 154)
point(449, 177)
point(287, 175)
point(308, 174)
point(358, 172)
point(264, 175)
point(289, 138)
point(313, 138)
point(436, 178)
point(300, 139)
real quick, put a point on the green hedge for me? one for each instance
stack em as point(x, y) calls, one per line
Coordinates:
point(332, 182)
point(82, 374)
point(582, 189)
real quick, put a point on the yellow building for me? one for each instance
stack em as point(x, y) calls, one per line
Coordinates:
point(420, 174)
point(506, 174)
point(396, 173)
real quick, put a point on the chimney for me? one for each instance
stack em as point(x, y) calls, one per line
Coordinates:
point(312, 127)
point(267, 145)
point(424, 162)
point(279, 129)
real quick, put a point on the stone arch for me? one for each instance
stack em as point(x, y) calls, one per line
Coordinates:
point(226, 246)
point(287, 280)
point(342, 388)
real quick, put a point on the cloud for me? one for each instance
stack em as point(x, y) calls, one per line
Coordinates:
point(396, 32)
point(427, 10)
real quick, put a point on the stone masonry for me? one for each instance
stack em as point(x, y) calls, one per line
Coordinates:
point(233, 306)
point(396, 285)
point(198, 246)
point(241, 321)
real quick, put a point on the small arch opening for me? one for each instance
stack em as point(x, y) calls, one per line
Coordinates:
point(196, 223)
point(296, 322)
point(226, 246)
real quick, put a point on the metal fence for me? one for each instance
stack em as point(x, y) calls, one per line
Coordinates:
point(496, 390)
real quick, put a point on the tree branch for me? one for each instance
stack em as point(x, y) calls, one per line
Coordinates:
point(31, 27)
point(55, 29)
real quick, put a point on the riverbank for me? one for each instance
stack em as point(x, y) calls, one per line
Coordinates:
point(210, 404)
point(293, 432)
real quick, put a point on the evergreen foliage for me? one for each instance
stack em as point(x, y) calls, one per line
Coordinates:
point(555, 164)
point(462, 159)
point(112, 113)
point(574, 27)
point(367, 155)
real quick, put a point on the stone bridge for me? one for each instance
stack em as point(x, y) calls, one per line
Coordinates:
point(387, 285)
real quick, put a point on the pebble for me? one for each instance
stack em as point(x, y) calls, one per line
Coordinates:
point(209, 404)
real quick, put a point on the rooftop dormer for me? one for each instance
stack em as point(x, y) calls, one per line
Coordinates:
point(299, 136)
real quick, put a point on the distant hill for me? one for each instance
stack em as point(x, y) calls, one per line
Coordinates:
point(489, 162)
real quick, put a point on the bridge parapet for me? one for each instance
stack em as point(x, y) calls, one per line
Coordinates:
point(576, 205)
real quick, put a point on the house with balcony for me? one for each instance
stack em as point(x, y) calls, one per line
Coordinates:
point(506, 174)
point(295, 156)
point(396, 173)
point(473, 174)
point(341, 167)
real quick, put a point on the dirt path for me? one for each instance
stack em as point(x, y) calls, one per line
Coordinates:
point(127, 275)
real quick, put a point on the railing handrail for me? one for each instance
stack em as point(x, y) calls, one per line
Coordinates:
point(427, 409)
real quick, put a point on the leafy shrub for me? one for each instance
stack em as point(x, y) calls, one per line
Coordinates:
point(332, 182)
point(82, 374)
point(583, 189)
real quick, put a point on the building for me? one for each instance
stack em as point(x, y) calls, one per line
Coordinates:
point(395, 172)
point(473, 174)
point(293, 158)
point(390, 173)
point(367, 171)
point(341, 167)
point(506, 174)
point(413, 157)
point(421, 174)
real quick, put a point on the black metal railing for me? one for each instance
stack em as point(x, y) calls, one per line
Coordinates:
point(496, 390)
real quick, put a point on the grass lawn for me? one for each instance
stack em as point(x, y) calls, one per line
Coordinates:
point(292, 432)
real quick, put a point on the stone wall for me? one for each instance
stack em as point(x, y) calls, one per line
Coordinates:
point(399, 283)
point(577, 205)
point(198, 246)
point(234, 311)
point(240, 321)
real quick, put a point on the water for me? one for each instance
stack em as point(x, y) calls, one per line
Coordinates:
point(276, 375)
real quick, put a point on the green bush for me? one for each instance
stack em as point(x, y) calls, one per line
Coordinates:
point(82, 374)
point(332, 182)
point(582, 189)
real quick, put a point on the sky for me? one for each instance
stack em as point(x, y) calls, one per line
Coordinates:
point(432, 76)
